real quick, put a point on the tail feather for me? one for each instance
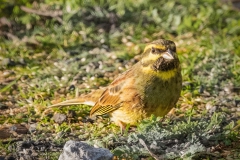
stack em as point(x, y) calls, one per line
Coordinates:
point(76, 101)
point(89, 99)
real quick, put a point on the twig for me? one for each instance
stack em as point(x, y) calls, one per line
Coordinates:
point(150, 152)
point(9, 35)
point(53, 14)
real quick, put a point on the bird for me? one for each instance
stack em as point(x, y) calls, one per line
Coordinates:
point(152, 86)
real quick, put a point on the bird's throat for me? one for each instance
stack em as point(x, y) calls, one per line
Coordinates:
point(164, 75)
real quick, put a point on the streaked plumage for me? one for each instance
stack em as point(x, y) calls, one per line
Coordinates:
point(151, 86)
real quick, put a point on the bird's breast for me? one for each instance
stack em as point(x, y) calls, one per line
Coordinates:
point(161, 95)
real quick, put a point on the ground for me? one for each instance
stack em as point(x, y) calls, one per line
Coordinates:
point(55, 50)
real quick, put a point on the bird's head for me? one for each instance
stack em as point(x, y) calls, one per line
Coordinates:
point(160, 55)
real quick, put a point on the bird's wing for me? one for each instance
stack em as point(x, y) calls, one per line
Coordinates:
point(111, 98)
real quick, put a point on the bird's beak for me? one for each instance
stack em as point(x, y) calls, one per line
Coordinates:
point(168, 55)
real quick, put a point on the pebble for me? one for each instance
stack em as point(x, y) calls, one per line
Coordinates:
point(210, 107)
point(59, 118)
point(32, 127)
point(78, 150)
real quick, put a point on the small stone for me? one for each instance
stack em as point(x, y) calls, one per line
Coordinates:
point(228, 89)
point(59, 135)
point(59, 118)
point(32, 127)
point(210, 107)
point(7, 73)
point(78, 150)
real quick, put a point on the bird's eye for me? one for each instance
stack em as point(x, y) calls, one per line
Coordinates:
point(153, 50)
point(157, 50)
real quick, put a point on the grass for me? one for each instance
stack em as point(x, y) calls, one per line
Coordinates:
point(50, 57)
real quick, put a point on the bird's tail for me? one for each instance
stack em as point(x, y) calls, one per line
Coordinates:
point(89, 99)
point(76, 101)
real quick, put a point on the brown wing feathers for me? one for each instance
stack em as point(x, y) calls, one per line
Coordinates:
point(108, 102)
point(103, 100)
